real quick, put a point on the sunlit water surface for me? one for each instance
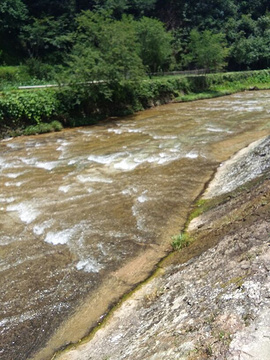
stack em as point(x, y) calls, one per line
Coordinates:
point(78, 206)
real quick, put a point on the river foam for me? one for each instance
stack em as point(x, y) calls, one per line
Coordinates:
point(27, 212)
point(89, 265)
point(59, 237)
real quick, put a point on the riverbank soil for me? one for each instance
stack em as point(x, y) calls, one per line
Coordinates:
point(210, 300)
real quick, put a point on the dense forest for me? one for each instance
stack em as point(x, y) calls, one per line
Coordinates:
point(112, 39)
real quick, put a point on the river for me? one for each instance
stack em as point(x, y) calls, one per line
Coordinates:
point(87, 213)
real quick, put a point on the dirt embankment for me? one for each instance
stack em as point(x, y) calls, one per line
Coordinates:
point(210, 300)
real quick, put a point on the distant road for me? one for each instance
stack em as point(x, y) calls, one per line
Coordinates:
point(188, 72)
point(37, 86)
point(55, 85)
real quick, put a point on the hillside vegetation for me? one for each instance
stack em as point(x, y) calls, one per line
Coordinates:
point(104, 56)
point(116, 37)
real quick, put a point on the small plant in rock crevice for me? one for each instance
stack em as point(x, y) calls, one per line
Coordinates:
point(180, 241)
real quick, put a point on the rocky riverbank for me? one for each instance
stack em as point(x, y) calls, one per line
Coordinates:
point(210, 300)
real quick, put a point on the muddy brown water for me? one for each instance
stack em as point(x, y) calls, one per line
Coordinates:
point(87, 213)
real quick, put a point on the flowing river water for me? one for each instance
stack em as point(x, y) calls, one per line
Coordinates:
point(87, 213)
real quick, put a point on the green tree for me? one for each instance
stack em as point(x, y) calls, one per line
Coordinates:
point(252, 52)
point(255, 7)
point(104, 63)
point(196, 13)
point(105, 56)
point(142, 7)
point(208, 50)
point(155, 44)
point(109, 48)
point(117, 7)
point(48, 39)
point(137, 8)
point(250, 43)
point(246, 25)
point(121, 50)
point(55, 8)
point(13, 15)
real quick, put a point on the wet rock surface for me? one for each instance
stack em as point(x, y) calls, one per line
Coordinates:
point(208, 301)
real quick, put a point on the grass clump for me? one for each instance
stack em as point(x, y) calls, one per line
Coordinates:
point(180, 241)
point(43, 128)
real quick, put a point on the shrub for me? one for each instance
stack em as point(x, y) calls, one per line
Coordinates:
point(29, 107)
point(10, 74)
point(56, 125)
point(40, 70)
